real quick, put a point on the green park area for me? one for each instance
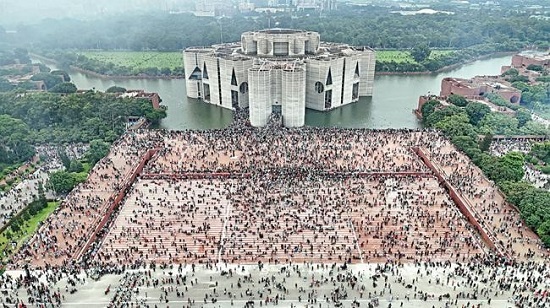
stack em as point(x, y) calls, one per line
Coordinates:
point(404, 56)
point(172, 60)
point(138, 59)
point(13, 237)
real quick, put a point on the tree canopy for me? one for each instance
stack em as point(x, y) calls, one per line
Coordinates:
point(463, 125)
point(14, 141)
point(477, 111)
point(75, 117)
point(421, 52)
point(50, 80)
point(115, 89)
point(64, 88)
point(457, 100)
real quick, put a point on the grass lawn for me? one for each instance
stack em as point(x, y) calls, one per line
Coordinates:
point(172, 60)
point(138, 59)
point(27, 230)
point(401, 56)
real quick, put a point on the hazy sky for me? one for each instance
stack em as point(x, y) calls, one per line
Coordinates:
point(27, 11)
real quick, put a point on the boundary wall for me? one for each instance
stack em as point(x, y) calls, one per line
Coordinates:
point(463, 205)
point(115, 200)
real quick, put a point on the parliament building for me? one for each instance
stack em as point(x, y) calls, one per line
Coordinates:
point(289, 68)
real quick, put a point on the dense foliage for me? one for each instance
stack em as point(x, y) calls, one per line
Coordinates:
point(34, 207)
point(375, 27)
point(15, 56)
point(539, 157)
point(15, 141)
point(91, 117)
point(64, 181)
point(378, 29)
point(463, 125)
point(75, 117)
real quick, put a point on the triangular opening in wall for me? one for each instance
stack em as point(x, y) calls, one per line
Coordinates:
point(204, 72)
point(196, 74)
point(329, 78)
point(357, 70)
point(233, 78)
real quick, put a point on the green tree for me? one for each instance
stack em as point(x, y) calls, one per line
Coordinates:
point(64, 74)
point(14, 145)
point(543, 232)
point(64, 88)
point(498, 124)
point(441, 114)
point(534, 67)
point(542, 151)
point(65, 160)
point(49, 79)
point(62, 181)
point(429, 107)
point(485, 143)
point(22, 55)
point(515, 191)
point(76, 166)
point(166, 71)
point(534, 128)
point(456, 125)
point(98, 149)
point(477, 111)
point(457, 100)
point(511, 72)
point(421, 52)
point(5, 85)
point(523, 115)
point(508, 168)
point(115, 89)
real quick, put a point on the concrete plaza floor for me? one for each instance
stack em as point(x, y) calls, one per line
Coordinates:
point(295, 285)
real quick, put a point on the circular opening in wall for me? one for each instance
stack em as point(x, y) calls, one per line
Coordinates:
point(319, 87)
point(243, 87)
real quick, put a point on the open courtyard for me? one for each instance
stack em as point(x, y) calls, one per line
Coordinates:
point(344, 214)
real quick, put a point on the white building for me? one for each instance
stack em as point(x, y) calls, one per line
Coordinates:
point(279, 67)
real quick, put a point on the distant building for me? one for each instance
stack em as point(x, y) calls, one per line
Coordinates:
point(284, 5)
point(524, 60)
point(479, 86)
point(322, 5)
point(214, 8)
point(153, 97)
point(279, 67)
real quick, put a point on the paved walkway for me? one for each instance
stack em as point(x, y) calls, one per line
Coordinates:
point(296, 286)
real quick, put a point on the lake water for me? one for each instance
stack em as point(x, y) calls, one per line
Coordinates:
point(395, 96)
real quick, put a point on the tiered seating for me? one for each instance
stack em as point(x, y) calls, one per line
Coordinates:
point(167, 222)
point(65, 234)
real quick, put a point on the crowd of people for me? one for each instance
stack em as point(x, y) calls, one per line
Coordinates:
point(532, 174)
point(488, 205)
point(65, 233)
point(36, 182)
point(278, 196)
point(477, 283)
point(316, 220)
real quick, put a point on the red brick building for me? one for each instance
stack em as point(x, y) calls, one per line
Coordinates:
point(477, 87)
point(154, 98)
point(524, 60)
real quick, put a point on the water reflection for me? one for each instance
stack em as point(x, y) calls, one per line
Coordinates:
point(395, 96)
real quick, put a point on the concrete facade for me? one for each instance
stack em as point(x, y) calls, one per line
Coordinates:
point(286, 67)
